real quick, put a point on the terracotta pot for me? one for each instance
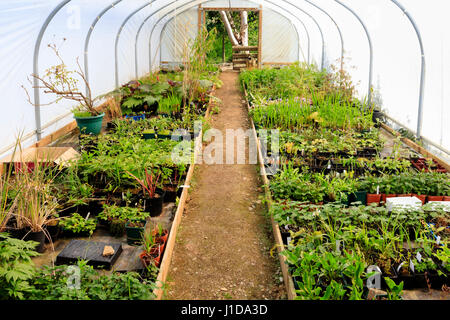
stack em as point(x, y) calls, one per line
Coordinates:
point(384, 196)
point(446, 198)
point(405, 195)
point(373, 198)
point(421, 197)
point(435, 198)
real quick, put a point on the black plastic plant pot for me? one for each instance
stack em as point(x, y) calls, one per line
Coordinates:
point(39, 237)
point(134, 234)
point(164, 136)
point(53, 232)
point(360, 196)
point(95, 207)
point(154, 205)
point(70, 234)
point(149, 136)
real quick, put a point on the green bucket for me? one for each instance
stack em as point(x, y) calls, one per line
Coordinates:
point(90, 125)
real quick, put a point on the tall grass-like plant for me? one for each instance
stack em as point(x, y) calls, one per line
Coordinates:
point(36, 203)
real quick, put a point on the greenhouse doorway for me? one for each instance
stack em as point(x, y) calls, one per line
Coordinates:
point(239, 35)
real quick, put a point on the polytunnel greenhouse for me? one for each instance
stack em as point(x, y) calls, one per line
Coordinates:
point(224, 150)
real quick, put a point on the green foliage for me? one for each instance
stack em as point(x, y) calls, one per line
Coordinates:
point(51, 283)
point(16, 267)
point(123, 214)
point(77, 224)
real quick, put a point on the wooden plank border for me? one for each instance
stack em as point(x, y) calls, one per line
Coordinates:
point(168, 252)
point(288, 282)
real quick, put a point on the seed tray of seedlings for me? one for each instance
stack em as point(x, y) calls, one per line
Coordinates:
point(332, 194)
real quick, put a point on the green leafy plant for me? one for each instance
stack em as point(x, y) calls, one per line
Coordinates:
point(16, 267)
point(77, 224)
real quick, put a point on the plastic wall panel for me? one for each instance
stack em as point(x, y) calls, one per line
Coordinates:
point(19, 25)
point(280, 44)
point(234, 4)
point(396, 51)
point(177, 34)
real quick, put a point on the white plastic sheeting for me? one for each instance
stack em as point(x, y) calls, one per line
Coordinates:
point(286, 30)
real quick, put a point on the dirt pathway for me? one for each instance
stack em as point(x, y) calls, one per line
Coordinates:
point(222, 249)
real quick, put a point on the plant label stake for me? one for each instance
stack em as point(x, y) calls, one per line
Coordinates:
point(419, 257)
point(411, 265)
point(400, 266)
point(374, 282)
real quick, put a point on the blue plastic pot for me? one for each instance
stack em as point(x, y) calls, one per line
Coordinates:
point(90, 125)
point(136, 118)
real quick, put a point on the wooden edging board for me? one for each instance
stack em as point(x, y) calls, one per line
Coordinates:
point(168, 252)
point(288, 282)
point(416, 147)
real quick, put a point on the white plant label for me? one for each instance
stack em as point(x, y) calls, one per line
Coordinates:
point(399, 266)
point(438, 239)
point(378, 189)
point(411, 265)
point(289, 240)
point(419, 257)
point(374, 282)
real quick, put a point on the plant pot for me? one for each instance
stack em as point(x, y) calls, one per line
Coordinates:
point(360, 196)
point(53, 232)
point(90, 125)
point(373, 198)
point(136, 118)
point(172, 192)
point(134, 233)
point(149, 136)
point(154, 205)
point(163, 238)
point(70, 234)
point(421, 197)
point(39, 237)
point(405, 195)
point(446, 198)
point(16, 233)
point(435, 198)
point(385, 196)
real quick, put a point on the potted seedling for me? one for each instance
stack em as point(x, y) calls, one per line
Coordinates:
point(62, 82)
point(78, 226)
point(153, 249)
point(153, 196)
point(134, 230)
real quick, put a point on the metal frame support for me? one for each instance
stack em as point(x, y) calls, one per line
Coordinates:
point(37, 46)
point(338, 29)
point(188, 3)
point(298, 35)
point(88, 38)
point(422, 69)
point(318, 26)
point(137, 37)
point(369, 95)
point(116, 44)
